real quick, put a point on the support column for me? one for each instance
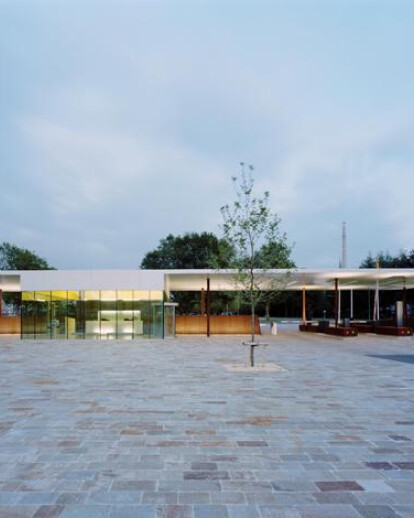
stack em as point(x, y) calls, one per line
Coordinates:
point(339, 305)
point(336, 303)
point(351, 305)
point(208, 307)
point(404, 301)
point(376, 312)
point(378, 303)
point(1, 302)
point(304, 305)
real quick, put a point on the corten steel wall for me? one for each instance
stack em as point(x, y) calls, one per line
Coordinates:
point(10, 325)
point(219, 325)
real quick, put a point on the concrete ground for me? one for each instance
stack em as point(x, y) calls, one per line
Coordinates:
point(171, 429)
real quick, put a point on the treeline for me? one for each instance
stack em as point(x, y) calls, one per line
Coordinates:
point(13, 257)
point(206, 251)
point(385, 260)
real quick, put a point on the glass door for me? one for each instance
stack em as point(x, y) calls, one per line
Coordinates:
point(169, 320)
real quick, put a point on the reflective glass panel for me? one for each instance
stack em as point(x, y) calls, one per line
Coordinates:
point(157, 329)
point(43, 315)
point(125, 320)
point(28, 312)
point(73, 308)
point(108, 314)
point(58, 314)
point(92, 308)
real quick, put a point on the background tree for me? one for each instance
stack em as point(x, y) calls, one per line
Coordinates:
point(385, 260)
point(192, 251)
point(404, 259)
point(189, 251)
point(253, 231)
point(14, 258)
point(274, 255)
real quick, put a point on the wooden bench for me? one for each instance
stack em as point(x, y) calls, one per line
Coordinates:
point(341, 331)
point(363, 328)
point(393, 331)
point(337, 331)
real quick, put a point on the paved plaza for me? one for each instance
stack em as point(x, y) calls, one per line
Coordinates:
point(174, 429)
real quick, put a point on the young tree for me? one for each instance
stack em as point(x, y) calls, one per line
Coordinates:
point(275, 254)
point(253, 231)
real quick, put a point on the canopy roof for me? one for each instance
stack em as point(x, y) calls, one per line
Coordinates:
point(291, 280)
point(195, 280)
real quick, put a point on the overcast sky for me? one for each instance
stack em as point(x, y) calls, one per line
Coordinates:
point(123, 121)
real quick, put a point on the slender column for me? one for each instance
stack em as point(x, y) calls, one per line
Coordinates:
point(304, 305)
point(336, 303)
point(376, 303)
point(339, 305)
point(208, 307)
point(404, 305)
point(1, 302)
point(351, 304)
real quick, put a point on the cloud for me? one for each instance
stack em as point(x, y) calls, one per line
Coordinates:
point(118, 191)
point(127, 124)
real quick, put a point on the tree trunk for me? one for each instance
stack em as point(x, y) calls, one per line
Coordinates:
point(252, 324)
point(252, 337)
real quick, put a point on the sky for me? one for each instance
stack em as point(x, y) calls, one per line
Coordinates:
point(123, 121)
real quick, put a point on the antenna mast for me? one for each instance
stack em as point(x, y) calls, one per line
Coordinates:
point(344, 251)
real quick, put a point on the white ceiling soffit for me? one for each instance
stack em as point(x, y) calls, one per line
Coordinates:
point(79, 280)
point(358, 279)
point(10, 282)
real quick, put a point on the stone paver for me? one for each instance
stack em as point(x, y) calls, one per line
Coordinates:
point(166, 429)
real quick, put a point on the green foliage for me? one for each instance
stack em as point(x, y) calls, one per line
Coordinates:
point(385, 260)
point(190, 251)
point(248, 222)
point(14, 258)
point(253, 231)
point(275, 254)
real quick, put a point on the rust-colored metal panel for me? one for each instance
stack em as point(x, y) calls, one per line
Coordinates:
point(10, 325)
point(219, 325)
point(191, 324)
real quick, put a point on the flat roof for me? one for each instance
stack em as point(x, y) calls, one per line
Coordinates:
point(293, 280)
point(195, 280)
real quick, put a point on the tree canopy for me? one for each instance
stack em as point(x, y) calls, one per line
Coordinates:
point(275, 254)
point(189, 251)
point(13, 257)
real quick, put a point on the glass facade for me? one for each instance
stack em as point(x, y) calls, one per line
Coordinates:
point(101, 315)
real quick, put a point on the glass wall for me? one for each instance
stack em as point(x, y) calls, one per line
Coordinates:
point(169, 319)
point(100, 315)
